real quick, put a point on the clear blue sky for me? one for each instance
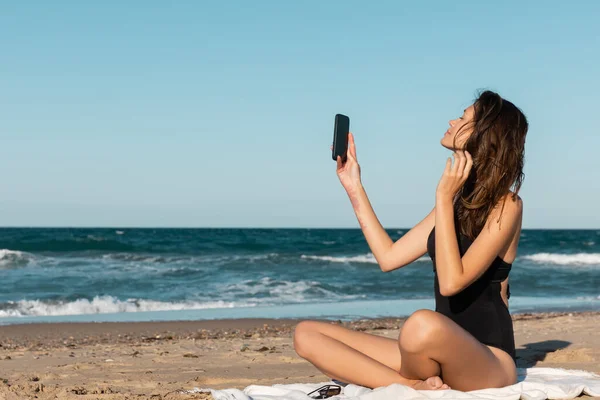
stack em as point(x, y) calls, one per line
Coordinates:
point(220, 114)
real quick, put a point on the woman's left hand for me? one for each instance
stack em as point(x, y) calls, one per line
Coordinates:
point(454, 175)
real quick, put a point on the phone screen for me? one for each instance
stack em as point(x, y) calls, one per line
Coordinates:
point(341, 128)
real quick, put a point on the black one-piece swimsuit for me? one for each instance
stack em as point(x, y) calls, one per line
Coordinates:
point(479, 308)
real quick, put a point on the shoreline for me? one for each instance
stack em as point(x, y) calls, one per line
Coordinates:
point(246, 323)
point(52, 334)
point(124, 360)
point(346, 310)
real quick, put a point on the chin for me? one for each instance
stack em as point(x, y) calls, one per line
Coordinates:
point(446, 143)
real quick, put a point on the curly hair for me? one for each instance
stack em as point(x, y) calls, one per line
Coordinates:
point(497, 146)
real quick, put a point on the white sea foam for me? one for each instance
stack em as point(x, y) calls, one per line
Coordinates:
point(14, 259)
point(588, 298)
point(136, 257)
point(365, 259)
point(565, 259)
point(173, 259)
point(265, 291)
point(269, 290)
point(224, 259)
point(256, 257)
point(104, 305)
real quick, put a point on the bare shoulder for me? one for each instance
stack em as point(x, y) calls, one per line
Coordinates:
point(507, 216)
point(508, 208)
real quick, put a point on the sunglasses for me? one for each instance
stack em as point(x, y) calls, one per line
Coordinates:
point(326, 391)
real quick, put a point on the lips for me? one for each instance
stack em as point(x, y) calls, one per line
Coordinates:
point(447, 133)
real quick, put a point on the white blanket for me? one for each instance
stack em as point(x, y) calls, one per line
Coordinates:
point(533, 384)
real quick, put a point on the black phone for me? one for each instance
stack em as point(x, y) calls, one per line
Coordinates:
point(341, 128)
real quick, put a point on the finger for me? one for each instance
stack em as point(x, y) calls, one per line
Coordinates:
point(448, 167)
point(349, 155)
point(468, 164)
point(460, 162)
point(351, 144)
point(460, 169)
point(454, 164)
point(339, 162)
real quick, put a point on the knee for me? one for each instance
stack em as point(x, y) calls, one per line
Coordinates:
point(303, 333)
point(420, 331)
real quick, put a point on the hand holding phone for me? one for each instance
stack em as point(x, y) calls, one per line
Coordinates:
point(343, 146)
point(340, 137)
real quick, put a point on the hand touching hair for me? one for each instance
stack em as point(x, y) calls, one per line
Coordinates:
point(497, 147)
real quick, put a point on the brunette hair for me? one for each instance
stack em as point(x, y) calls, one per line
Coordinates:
point(497, 146)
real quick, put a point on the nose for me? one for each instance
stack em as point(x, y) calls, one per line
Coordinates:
point(451, 122)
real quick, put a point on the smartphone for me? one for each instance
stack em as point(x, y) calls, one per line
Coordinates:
point(341, 128)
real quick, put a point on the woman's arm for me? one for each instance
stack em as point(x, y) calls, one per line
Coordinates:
point(388, 254)
point(454, 272)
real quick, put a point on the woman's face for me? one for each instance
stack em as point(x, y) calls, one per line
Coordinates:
point(456, 125)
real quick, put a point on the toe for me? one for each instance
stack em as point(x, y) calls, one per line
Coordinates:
point(435, 382)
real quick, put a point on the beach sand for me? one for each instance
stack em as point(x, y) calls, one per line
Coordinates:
point(158, 360)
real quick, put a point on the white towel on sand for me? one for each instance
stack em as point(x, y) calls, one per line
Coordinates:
point(533, 384)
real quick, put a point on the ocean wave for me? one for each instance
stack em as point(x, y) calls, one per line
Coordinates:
point(88, 243)
point(104, 305)
point(269, 290)
point(133, 257)
point(14, 259)
point(588, 298)
point(565, 259)
point(365, 259)
point(174, 259)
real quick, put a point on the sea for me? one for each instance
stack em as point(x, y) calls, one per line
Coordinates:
point(125, 274)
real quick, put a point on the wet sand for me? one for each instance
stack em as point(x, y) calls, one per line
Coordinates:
point(160, 360)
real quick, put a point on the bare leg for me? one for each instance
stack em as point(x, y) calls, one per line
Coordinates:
point(431, 343)
point(382, 349)
point(355, 357)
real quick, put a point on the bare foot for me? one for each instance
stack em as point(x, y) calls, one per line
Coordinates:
point(432, 383)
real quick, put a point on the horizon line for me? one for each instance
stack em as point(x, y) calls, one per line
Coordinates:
point(235, 227)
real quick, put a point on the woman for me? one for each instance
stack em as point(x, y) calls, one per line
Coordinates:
point(471, 235)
